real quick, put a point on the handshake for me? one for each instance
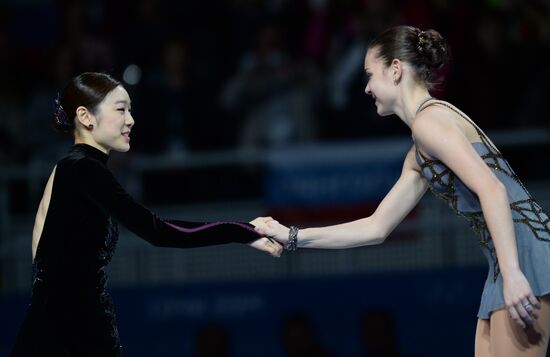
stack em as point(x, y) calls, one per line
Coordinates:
point(275, 236)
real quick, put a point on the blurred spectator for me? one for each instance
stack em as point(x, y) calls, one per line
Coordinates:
point(535, 33)
point(9, 102)
point(39, 139)
point(287, 71)
point(167, 102)
point(272, 94)
point(300, 339)
point(351, 113)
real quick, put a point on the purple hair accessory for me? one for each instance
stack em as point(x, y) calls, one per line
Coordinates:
point(59, 113)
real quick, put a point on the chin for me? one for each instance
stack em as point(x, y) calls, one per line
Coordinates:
point(121, 148)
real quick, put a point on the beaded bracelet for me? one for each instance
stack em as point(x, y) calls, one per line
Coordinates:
point(292, 243)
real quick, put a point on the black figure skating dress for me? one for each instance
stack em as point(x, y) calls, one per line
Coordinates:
point(71, 314)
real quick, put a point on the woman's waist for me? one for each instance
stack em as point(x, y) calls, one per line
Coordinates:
point(77, 281)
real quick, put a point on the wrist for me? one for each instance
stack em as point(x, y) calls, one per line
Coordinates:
point(510, 272)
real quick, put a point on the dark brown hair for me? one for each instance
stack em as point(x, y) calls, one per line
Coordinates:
point(425, 51)
point(88, 90)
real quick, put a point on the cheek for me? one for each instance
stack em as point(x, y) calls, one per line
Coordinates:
point(110, 127)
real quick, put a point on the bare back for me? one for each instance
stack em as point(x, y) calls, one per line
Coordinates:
point(41, 213)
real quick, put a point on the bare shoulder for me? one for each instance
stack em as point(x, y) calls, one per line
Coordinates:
point(432, 122)
point(432, 117)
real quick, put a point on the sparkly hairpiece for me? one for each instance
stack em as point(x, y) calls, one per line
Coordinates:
point(59, 113)
point(421, 35)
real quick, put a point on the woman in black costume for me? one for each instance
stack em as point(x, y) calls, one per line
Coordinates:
point(75, 235)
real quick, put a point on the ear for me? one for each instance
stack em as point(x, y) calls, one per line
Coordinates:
point(84, 116)
point(396, 68)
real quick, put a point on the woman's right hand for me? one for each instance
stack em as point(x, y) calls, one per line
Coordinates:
point(271, 228)
point(522, 305)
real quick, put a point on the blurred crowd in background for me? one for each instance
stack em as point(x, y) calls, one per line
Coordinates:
point(252, 74)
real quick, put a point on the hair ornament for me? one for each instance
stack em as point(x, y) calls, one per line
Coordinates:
point(59, 113)
point(421, 38)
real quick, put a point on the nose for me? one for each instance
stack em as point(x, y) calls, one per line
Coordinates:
point(130, 120)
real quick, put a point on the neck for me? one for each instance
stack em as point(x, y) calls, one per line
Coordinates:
point(79, 139)
point(412, 97)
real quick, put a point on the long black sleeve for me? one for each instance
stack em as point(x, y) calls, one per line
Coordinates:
point(98, 184)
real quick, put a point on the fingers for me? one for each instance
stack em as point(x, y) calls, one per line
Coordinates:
point(514, 315)
point(525, 311)
point(275, 249)
point(523, 314)
point(532, 305)
point(268, 246)
point(258, 221)
point(278, 250)
point(533, 300)
point(266, 227)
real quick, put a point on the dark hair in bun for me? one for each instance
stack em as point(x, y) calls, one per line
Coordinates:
point(88, 90)
point(426, 50)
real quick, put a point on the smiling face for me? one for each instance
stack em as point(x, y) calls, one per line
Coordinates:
point(380, 85)
point(113, 121)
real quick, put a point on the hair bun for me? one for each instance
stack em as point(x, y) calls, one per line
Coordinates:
point(433, 48)
point(88, 89)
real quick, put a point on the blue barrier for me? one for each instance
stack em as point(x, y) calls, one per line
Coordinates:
point(433, 311)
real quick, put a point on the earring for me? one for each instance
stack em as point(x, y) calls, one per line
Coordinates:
point(91, 126)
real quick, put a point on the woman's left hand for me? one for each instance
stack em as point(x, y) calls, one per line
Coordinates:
point(522, 305)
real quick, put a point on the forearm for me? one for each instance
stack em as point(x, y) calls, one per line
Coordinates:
point(346, 235)
point(182, 234)
point(496, 210)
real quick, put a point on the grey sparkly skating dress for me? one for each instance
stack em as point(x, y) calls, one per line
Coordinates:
point(531, 223)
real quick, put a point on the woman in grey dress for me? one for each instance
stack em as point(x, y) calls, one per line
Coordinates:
point(453, 158)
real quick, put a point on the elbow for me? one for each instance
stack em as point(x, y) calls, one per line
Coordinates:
point(380, 239)
point(374, 233)
point(378, 235)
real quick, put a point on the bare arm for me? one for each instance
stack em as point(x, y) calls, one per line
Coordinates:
point(371, 230)
point(438, 135)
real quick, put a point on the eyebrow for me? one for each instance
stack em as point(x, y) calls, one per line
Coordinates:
point(122, 101)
